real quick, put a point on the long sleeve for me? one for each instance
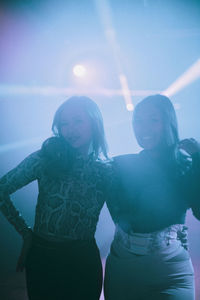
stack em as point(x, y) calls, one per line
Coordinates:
point(112, 193)
point(118, 208)
point(24, 173)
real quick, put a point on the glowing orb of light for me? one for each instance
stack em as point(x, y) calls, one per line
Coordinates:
point(129, 106)
point(79, 70)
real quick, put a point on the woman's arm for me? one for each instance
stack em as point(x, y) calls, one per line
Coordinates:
point(24, 173)
point(112, 192)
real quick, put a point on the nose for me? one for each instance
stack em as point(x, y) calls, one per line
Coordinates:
point(67, 130)
point(70, 130)
point(143, 127)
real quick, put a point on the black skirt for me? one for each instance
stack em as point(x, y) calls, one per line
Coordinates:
point(64, 270)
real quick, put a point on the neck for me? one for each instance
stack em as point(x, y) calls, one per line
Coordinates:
point(84, 152)
point(159, 153)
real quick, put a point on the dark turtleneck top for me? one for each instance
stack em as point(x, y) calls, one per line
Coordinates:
point(153, 194)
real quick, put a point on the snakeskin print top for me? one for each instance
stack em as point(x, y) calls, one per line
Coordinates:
point(68, 206)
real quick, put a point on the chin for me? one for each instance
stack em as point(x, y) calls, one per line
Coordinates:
point(146, 146)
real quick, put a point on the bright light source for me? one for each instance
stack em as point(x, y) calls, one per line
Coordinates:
point(126, 92)
point(129, 106)
point(79, 70)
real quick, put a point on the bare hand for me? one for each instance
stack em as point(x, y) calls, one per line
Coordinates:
point(191, 146)
point(23, 254)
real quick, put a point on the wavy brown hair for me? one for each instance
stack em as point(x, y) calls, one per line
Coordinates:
point(99, 144)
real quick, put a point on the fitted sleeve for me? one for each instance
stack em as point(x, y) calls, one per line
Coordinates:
point(27, 171)
point(113, 193)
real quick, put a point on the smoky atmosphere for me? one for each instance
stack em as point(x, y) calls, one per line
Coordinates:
point(116, 53)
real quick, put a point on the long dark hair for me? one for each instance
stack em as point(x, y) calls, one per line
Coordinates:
point(99, 144)
point(170, 134)
point(166, 108)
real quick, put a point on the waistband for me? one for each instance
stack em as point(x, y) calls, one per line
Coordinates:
point(45, 242)
point(147, 243)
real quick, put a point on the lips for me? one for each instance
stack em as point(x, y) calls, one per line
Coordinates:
point(146, 141)
point(73, 139)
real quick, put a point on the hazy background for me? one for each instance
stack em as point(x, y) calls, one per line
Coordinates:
point(150, 42)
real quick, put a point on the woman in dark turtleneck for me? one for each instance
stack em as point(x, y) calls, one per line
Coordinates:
point(149, 257)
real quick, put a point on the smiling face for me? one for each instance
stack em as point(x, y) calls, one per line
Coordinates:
point(148, 126)
point(75, 127)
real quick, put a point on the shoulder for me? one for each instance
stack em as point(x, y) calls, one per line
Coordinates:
point(52, 147)
point(125, 159)
point(124, 165)
point(104, 168)
point(33, 158)
point(32, 164)
point(26, 171)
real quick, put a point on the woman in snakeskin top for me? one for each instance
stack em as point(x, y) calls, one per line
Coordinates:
point(60, 254)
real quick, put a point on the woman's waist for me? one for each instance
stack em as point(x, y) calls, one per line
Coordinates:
point(65, 227)
point(146, 243)
point(65, 234)
point(144, 222)
point(54, 242)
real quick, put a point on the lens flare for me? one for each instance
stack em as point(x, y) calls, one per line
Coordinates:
point(79, 70)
